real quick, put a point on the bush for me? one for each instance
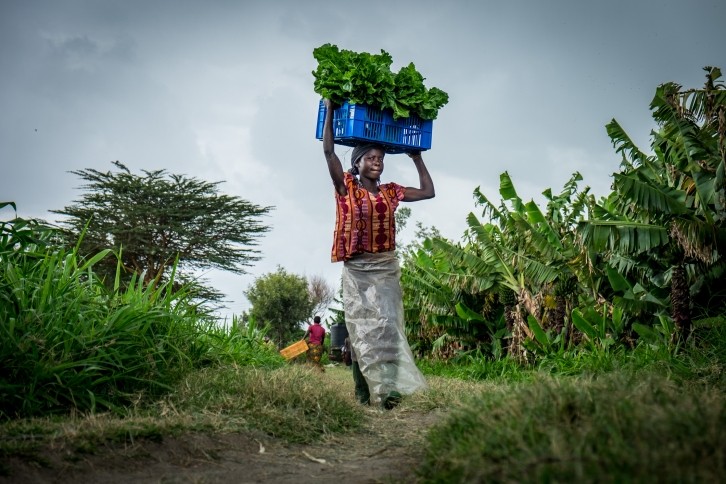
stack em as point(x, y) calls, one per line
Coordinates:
point(67, 342)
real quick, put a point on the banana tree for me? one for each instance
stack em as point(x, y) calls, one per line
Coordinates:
point(543, 250)
point(435, 294)
point(513, 261)
point(663, 225)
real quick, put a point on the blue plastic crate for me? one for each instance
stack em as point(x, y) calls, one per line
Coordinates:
point(356, 123)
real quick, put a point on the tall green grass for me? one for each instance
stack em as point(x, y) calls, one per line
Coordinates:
point(68, 342)
point(703, 356)
point(476, 366)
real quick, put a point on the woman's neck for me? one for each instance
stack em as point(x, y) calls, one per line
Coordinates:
point(369, 184)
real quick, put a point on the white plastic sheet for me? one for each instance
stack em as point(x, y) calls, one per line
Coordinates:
point(374, 318)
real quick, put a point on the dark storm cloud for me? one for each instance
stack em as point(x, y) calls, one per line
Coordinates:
point(222, 90)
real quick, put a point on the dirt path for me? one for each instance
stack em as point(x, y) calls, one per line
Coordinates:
point(386, 450)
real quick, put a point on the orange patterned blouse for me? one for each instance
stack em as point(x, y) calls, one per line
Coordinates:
point(364, 222)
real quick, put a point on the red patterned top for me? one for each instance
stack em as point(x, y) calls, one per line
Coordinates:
point(364, 222)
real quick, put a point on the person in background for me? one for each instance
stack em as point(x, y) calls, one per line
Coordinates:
point(315, 337)
point(345, 351)
point(365, 241)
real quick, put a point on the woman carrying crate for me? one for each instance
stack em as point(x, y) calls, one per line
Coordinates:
point(315, 337)
point(365, 241)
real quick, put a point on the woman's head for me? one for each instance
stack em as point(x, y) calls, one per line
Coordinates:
point(367, 157)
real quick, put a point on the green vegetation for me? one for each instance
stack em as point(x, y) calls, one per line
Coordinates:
point(646, 415)
point(291, 404)
point(157, 221)
point(68, 342)
point(585, 341)
point(363, 78)
point(603, 319)
point(613, 428)
point(283, 300)
point(643, 265)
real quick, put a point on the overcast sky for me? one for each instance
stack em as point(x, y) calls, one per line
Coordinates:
point(223, 91)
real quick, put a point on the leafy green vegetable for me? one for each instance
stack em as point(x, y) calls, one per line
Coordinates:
point(363, 78)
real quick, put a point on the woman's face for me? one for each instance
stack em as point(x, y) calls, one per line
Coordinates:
point(371, 164)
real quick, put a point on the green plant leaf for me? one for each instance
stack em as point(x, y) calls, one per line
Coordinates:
point(364, 78)
point(617, 281)
point(647, 333)
point(468, 314)
point(583, 325)
point(538, 332)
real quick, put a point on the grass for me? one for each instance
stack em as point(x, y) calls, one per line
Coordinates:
point(68, 342)
point(294, 403)
point(291, 403)
point(626, 425)
point(612, 428)
point(646, 415)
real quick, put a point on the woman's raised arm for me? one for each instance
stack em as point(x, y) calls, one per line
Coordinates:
point(426, 184)
point(335, 167)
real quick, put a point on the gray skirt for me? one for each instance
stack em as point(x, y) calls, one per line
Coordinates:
point(373, 306)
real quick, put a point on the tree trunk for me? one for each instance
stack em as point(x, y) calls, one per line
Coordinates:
point(558, 318)
point(510, 321)
point(520, 333)
point(681, 301)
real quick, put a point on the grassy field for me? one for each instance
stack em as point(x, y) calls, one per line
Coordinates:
point(649, 415)
point(627, 425)
point(87, 364)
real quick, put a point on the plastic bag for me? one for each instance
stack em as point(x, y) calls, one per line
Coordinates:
point(374, 319)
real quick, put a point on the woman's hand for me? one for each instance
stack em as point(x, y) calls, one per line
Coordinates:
point(414, 154)
point(425, 189)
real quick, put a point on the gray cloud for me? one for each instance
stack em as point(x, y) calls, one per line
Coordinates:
point(223, 91)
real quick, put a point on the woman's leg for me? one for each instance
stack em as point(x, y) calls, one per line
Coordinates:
point(362, 394)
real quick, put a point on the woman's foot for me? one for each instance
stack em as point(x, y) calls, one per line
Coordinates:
point(362, 393)
point(391, 400)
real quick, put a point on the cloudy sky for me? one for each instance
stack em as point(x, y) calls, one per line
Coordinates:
point(223, 91)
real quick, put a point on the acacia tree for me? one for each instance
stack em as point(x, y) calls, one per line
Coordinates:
point(157, 219)
point(281, 300)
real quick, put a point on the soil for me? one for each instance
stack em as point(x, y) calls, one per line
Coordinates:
point(387, 449)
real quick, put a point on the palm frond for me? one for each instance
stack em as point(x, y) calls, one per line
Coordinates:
point(649, 197)
point(541, 225)
point(632, 156)
point(508, 192)
point(481, 200)
point(622, 236)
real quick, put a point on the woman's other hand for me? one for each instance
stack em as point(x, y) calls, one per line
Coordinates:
point(414, 154)
point(425, 190)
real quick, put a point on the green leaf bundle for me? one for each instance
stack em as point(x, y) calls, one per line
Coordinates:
point(363, 78)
